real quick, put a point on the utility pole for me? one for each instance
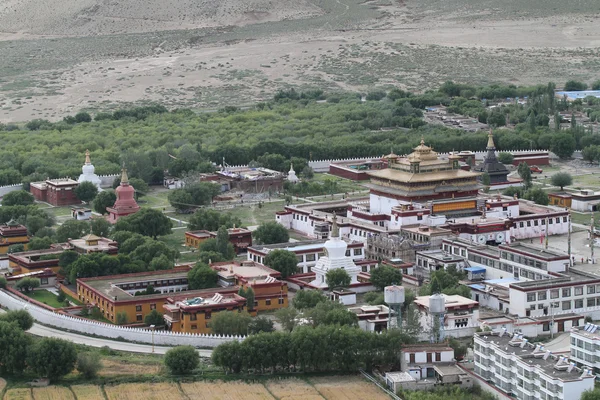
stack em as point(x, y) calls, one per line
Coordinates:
point(569, 239)
point(592, 238)
point(547, 233)
point(551, 320)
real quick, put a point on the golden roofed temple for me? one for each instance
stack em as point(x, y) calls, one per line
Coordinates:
point(424, 176)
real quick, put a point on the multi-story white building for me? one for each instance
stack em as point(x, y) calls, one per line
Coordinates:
point(527, 371)
point(585, 346)
point(460, 319)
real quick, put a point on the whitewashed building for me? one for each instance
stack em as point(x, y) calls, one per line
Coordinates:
point(527, 371)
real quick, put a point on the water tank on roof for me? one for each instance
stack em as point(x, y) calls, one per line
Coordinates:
point(437, 304)
point(394, 294)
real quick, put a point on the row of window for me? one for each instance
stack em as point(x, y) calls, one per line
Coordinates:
point(566, 292)
point(542, 222)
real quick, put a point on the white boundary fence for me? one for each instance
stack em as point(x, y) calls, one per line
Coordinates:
point(88, 327)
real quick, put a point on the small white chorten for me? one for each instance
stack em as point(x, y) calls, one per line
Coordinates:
point(292, 175)
point(88, 174)
point(335, 257)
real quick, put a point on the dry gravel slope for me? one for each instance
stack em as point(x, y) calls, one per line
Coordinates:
point(102, 17)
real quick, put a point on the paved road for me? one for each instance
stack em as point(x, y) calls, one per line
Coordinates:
point(44, 331)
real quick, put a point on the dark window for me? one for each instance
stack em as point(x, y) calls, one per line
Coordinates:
point(412, 358)
point(138, 308)
point(138, 318)
point(438, 356)
point(268, 302)
point(194, 326)
point(193, 317)
point(153, 306)
point(429, 357)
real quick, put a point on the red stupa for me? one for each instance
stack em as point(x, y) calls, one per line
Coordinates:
point(125, 204)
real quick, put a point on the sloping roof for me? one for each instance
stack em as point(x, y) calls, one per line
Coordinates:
point(408, 177)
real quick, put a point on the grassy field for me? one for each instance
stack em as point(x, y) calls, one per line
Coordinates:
point(46, 297)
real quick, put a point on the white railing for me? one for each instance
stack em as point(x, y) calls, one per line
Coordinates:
point(89, 327)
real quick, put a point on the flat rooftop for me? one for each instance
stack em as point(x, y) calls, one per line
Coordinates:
point(440, 255)
point(109, 285)
point(248, 270)
point(451, 301)
point(535, 251)
point(526, 355)
point(590, 331)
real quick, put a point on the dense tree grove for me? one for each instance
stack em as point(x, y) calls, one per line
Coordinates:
point(291, 128)
point(307, 349)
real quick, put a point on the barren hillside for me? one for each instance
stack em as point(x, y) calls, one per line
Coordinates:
point(104, 17)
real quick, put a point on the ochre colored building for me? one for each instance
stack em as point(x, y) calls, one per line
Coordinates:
point(561, 199)
point(193, 314)
point(125, 204)
point(12, 233)
point(270, 293)
point(240, 238)
point(36, 260)
point(58, 192)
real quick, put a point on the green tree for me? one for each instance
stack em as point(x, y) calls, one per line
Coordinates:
point(525, 174)
point(52, 358)
point(180, 199)
point(271, 232)
point(35, 223)
point(591, 394)
point(230, 323)
point(412, 321)
point(563, 145)
point(61, 296)
point(3, 282)
point(154, 318)
point(506, 158)
point(308, 173)
point(248, 294)
point(71, 229)
point(337, 279)
point(88, 364)
point(211, 246)
point(485, 181)
point(202, 277)
point(104, 199)
point(374, 298)
point(82, 117)
point(330, 313)
point(27, 284)
point(86, 191)
point(182, 360)
point(16, 248)
point(435, 286)
point(14, 345)
point(460, 350)
point(211, 220)
point(65, 259)
point(140, 186)
point(100, 227)
point(260, 324)
point(538, 195)
point(385, 275)
point(288, 318)
point(21, 317)
point(283, 261)
point(562, 179)
point(223, 245)
point(39, 243)
point(305, 299)
point(121, 318)
point(147, 222)
point(574, 86)
point(591, 153)
point(17, 198)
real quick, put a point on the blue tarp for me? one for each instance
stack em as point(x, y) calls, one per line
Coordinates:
point(475, 270)
point(477, 286)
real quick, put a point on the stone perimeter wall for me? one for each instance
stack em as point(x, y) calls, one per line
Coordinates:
point(88, 327)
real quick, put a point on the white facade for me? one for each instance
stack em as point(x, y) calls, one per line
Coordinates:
point(460, 317)
point(585, 347)
point(526, 371)
point(335, 258)
point(419, 362)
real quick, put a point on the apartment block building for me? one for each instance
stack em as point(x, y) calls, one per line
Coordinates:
point(526, 371)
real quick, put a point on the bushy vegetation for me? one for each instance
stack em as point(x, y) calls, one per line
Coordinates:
point(291, 128)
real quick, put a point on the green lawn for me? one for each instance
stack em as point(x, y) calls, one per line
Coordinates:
point(46, 297)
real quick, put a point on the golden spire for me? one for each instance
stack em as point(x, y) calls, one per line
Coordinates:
point(422, 140)
point(87, 157)
point(335, 231)
point(124, 177)
point(491, 140)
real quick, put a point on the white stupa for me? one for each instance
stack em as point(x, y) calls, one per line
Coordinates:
point(335, 257)
point(88, 174)
point(292, 174)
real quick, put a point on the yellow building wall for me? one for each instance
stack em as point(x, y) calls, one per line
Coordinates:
point(453, 206)
point(191, 241)
point(262, 295)
point(558, 201)
point(5, 243)
point(136, 312)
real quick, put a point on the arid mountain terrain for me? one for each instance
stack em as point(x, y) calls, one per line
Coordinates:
point(59, 56)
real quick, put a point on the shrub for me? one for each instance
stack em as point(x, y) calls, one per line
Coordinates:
point(182, 360)
point(88, 364)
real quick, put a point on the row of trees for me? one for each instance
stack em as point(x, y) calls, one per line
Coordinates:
point(307, 349)
point(48, 357)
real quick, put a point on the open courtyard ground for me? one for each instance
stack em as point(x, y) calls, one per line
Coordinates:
point(58, 59)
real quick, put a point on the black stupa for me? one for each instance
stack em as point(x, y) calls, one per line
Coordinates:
point(496, 170)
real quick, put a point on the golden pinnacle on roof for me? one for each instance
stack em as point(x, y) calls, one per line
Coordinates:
point(490, 143)
point(124, 177)
point(87, 157)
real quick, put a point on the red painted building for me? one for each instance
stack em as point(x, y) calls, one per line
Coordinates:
point(125, 204)
point(58, 192)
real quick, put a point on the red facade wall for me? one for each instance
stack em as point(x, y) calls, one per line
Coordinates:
point(61, 196)
point(39, 195)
